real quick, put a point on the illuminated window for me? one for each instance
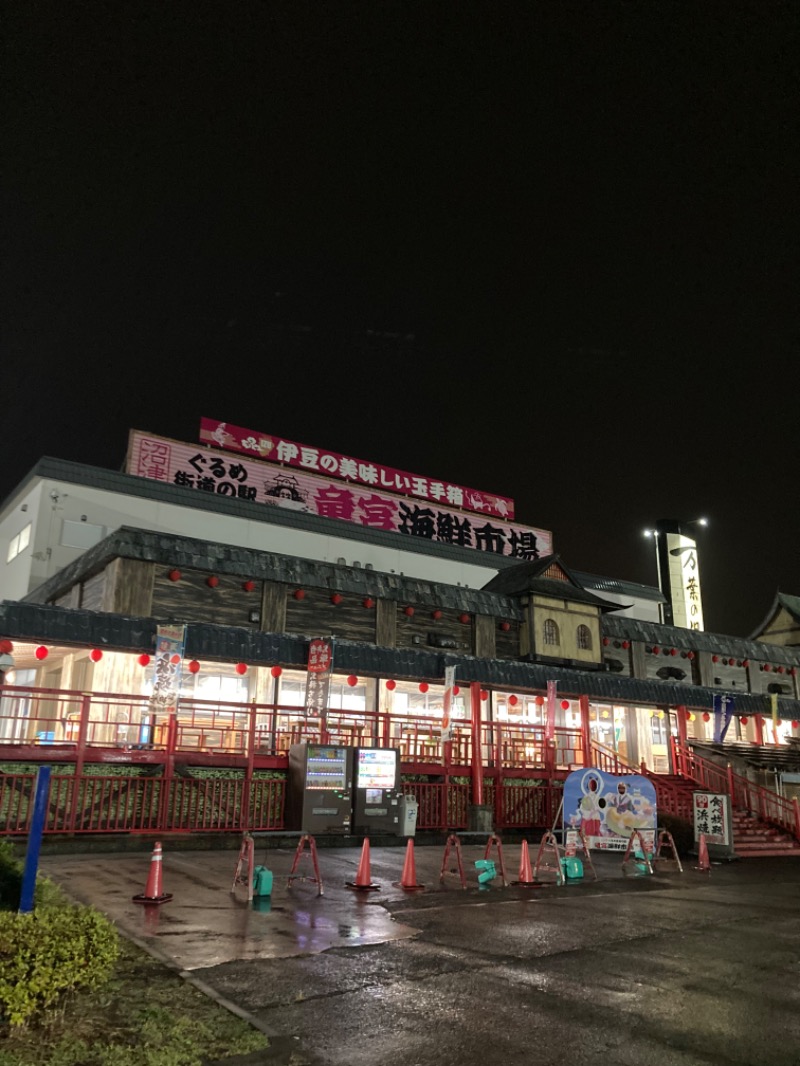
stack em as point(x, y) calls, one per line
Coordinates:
point(584, 638)
point(19, 543)
point(550, 631)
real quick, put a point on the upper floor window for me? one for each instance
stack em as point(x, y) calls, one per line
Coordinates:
point(550, 631)
point(584, 638)
point(19, 543)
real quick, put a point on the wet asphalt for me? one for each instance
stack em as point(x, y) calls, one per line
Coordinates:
point(670, 969)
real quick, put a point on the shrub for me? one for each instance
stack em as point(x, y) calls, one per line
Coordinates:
point(47, 953)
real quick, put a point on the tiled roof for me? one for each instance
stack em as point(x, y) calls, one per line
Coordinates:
point(27, 621)
point(529, 577)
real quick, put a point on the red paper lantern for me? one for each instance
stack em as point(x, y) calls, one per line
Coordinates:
point(767, 667)
point(336, 598)
point(391, 685)
point(655, 650)
point(793, 671)
point(673, 651)
point(174, 575)
point(408, 611)
point(369, 603)
point(715, 658)
point(744, 720)
point(424, 686)
point(706, 716)
point(795, 725)
point(248, 586)
point(212, 581)
point(95, 655)
point(276, 671)
point(687, 715)
point(606, 642)
point(6, 647)
point(41, 652)
point(241, 668)
point(539, 701)
point(780, 669)
point(565, 705)
point(484, 694)
point(144, 659)
point(456, 690)
point(626, 644)
point(690, 655)
point(505, 626)
point(463, 619)
point(175, 659)
point(512, 701)
point(437, 614)
point(352, 681)
point(299, 594)
point(745, 663)
point(194, 666)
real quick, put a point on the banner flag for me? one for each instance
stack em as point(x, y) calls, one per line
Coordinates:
point(318, 679)
point(447, 702)
point(723, 715)
point(550, 722)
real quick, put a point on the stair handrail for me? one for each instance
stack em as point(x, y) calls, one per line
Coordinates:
point(667, 794)
point(745, 794)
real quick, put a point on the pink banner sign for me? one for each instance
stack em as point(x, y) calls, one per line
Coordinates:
point(205, 470)
point(331, 464)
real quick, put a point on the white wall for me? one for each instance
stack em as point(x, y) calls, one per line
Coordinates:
point(49, 503)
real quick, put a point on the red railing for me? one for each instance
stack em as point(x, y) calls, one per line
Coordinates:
point(745, 795)
point(670, 798)
point(131, 804)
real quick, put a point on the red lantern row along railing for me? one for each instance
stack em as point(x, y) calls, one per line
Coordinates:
point(74, 725)
point(745, 795)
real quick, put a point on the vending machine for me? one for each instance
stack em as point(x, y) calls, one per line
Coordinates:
point(319, 793)
point(378, 792)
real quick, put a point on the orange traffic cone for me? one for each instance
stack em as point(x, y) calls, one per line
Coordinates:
point(363, 881)
point(703, 861)
point(408, 879)
point(525, 871)
point(152, 892)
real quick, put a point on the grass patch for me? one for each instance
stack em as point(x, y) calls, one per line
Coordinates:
point(146, 1015)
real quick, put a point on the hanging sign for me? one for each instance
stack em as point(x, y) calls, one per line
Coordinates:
point(167, 668)
point(447, 702)
point(550, 720)
point(318, 678)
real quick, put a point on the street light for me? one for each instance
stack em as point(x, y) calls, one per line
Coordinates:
point(678, 571)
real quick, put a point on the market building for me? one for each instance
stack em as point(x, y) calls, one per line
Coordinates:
point(456, 635)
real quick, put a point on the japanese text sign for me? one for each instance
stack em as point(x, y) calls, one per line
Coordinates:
point(204, 470)
point(332, 464)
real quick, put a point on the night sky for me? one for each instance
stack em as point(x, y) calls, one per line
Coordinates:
point(547, 250)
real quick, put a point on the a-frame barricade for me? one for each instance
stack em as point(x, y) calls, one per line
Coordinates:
point(495, 840)
point(245, 866)
point(584, 846)
point(549, 845)
point(301, 853)
point(665, 837)
point(453, 842)
point(646, 857)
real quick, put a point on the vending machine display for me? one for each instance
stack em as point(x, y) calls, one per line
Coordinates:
point(319, 796)
point(378, 792)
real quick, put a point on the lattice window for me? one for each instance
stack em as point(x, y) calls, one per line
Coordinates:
point(550, 631)
point(584, 638)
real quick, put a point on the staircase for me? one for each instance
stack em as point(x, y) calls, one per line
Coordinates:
point(754, 839)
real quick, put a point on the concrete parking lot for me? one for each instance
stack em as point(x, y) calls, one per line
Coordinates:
point(673, 968)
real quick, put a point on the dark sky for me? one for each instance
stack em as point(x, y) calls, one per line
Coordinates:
point(548, 250)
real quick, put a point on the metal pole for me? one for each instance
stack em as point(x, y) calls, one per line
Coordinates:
point(42, 792)
point(477, 752)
